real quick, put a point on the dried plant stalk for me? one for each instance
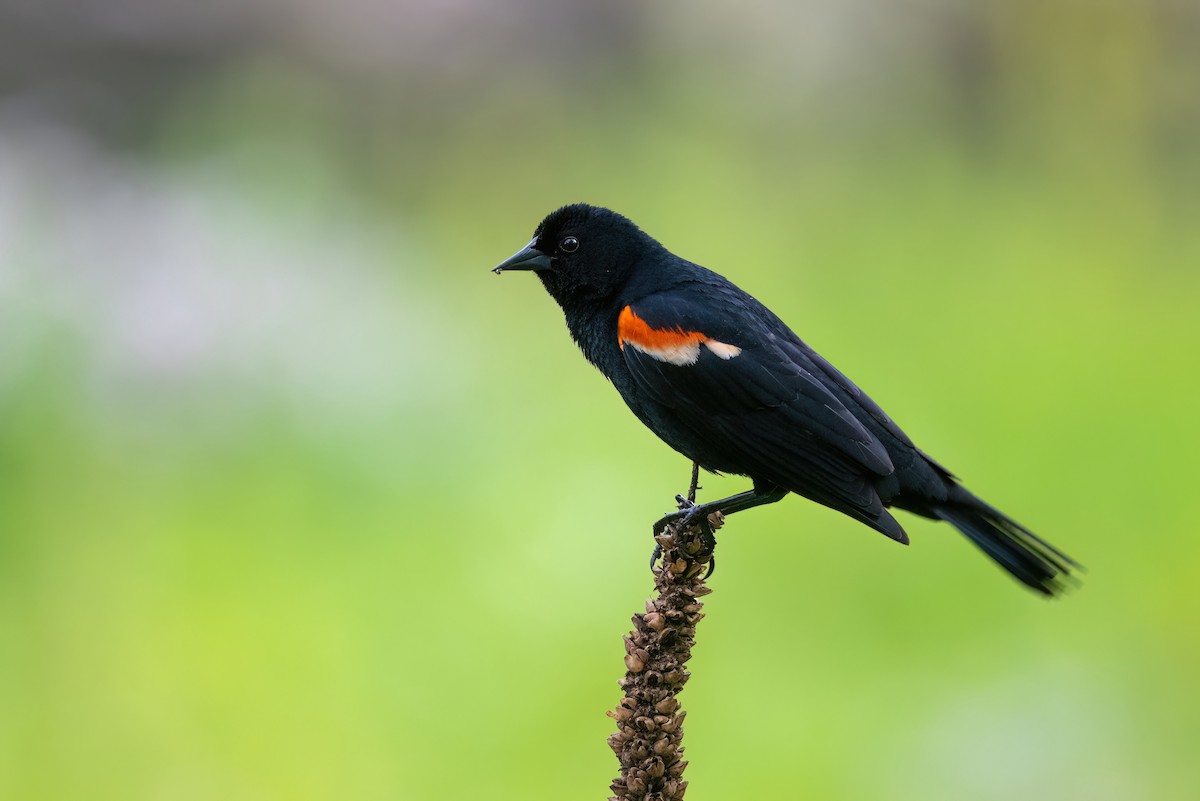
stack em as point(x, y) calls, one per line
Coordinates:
point(648, 740)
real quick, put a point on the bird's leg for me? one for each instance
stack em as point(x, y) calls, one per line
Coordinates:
point(727, 506)
point(684, 505)
point(691, 512)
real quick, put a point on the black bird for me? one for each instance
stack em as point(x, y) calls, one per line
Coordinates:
point(722, 380)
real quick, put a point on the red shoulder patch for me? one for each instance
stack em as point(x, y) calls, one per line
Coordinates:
point(672, 345)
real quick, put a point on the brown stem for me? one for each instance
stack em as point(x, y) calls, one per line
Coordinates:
point(648, 740)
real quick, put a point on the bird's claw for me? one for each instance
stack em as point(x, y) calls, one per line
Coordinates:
point(685, 513)
point(689, 514)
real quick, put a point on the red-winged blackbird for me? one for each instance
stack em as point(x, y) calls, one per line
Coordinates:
point(725, 382)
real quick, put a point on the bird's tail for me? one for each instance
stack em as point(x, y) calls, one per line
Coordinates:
point(1029, 558)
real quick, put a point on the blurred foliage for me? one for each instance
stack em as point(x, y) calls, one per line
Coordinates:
point(298, 502)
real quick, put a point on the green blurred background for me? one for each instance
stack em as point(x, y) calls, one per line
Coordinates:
point(297, 501)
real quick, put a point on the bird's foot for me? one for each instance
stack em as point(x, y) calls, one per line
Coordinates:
point(688, 515)
point(686, 510)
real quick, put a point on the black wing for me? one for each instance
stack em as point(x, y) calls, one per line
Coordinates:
point(767, 407)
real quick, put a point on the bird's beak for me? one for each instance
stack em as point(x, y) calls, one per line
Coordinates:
point(527, 258)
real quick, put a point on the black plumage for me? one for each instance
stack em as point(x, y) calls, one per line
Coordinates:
point(722, 380)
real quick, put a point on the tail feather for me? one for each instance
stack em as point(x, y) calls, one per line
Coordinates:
point(1029, 558)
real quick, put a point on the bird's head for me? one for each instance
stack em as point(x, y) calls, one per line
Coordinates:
point(581, 253)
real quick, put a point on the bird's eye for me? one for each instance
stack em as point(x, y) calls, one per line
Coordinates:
point(569, 244)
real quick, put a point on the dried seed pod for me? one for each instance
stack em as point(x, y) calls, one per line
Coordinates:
point(649, 719)
point(621, 714)
point(667, 705)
